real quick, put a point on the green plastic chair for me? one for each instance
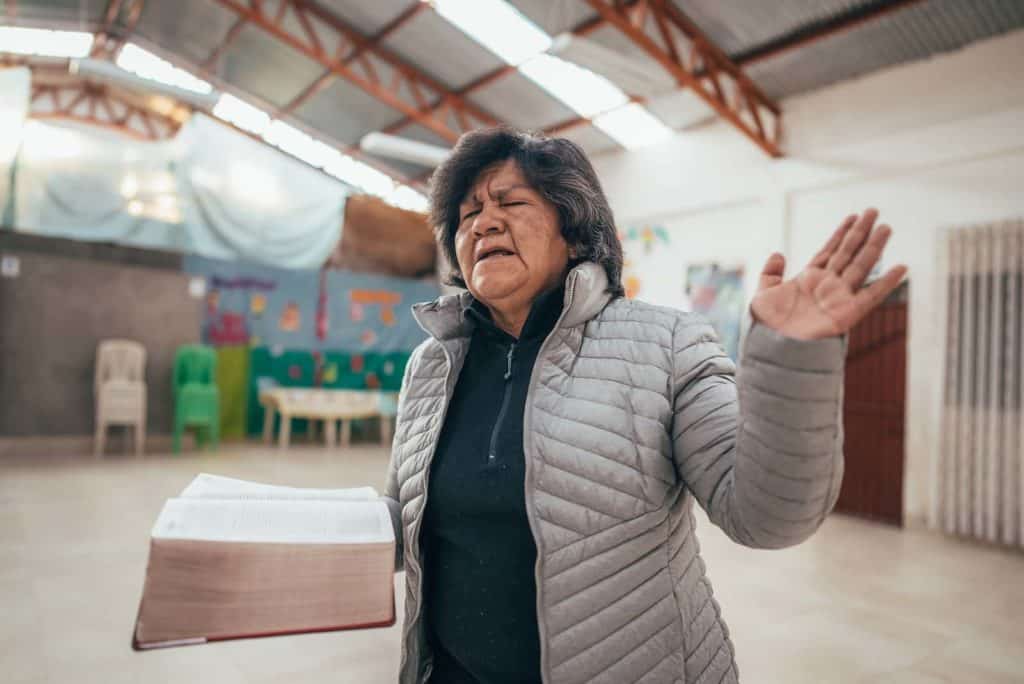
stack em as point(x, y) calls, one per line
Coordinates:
point(196, 398)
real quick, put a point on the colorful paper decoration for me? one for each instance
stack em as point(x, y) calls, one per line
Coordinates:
point(372, 381)
point(330, 374)
point(385, 299)
point(294, 372)
point(258, 304)
point(229, 328)
point(389, 368)
point(632, 285)
point(357, 363)
point(381, 297)
point(368, 338)
point(648, 235)
point(291, 318)
point(717, 292)
point(212, 300)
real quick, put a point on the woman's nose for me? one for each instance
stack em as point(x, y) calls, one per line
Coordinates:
point(487, 222)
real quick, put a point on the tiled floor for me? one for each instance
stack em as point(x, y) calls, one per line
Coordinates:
point(857, 603)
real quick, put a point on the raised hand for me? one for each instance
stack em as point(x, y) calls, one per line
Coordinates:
point(827, 297)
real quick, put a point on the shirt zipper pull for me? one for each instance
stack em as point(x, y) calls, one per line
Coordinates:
point(508, 367)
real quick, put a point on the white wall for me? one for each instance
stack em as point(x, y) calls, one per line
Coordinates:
point(932, 144)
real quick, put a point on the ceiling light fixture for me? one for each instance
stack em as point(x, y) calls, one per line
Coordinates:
point(395, 147)
point(635, 76)
point(147, 65)
point(45, 42)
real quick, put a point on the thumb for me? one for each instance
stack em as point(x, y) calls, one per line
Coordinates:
point(771, 274)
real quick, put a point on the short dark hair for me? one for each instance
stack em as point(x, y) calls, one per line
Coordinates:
point(556, 168)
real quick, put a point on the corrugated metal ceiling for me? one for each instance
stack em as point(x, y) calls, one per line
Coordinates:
point(259, 64)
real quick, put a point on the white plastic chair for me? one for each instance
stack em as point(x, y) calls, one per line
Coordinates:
point(120, 390)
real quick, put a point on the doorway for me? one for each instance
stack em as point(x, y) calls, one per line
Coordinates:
point(873, 413)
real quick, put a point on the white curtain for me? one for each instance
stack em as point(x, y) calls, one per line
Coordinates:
point(15, 86)
point(979, 480)
point(210, 191)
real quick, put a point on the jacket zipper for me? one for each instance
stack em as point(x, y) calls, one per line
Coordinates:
point(492, 452)
point(531, 515)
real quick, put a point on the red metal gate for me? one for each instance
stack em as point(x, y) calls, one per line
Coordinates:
point(873, 413)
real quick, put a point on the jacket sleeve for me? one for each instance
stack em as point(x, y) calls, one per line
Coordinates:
point(762, 449)
point(391, 495)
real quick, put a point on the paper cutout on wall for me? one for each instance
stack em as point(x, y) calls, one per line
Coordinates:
point(291, 319)
point(257, 304)
point(357, 363)
point(372, 381)
point(389, 368)
point(353, 304)
point(330, 374)
point(630, 280)
point(294, 372)
point(717, 292)
point(648, 235)
point(228, 328)
point(386, 300)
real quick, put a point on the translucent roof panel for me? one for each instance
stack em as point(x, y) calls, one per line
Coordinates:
point(515, 99)
point(441, 50)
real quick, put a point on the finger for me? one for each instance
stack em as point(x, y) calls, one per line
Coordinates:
point(875, 293)
point(771, 274)
point(821, 258)
point(867, 256)
point(852, 242)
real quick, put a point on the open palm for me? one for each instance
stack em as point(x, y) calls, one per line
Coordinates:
point(827, 297)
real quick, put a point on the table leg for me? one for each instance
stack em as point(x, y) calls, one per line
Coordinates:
point(286, 430)
point(330, 433)
point(268, 424)
point(346, 432)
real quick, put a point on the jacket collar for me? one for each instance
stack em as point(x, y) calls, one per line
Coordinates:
point(544, 313)
point(585, 296)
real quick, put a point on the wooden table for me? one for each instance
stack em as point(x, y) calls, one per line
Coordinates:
point(329, 406)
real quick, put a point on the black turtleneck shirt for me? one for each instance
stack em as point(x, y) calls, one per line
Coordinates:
point(480, 595)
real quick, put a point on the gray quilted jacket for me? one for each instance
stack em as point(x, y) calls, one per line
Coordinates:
point(633, 412)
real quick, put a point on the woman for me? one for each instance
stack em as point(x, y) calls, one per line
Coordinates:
point(552, 435)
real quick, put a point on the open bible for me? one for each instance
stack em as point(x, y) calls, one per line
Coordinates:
point(231, 559)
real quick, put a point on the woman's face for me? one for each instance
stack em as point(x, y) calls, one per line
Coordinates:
point(509, 243)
